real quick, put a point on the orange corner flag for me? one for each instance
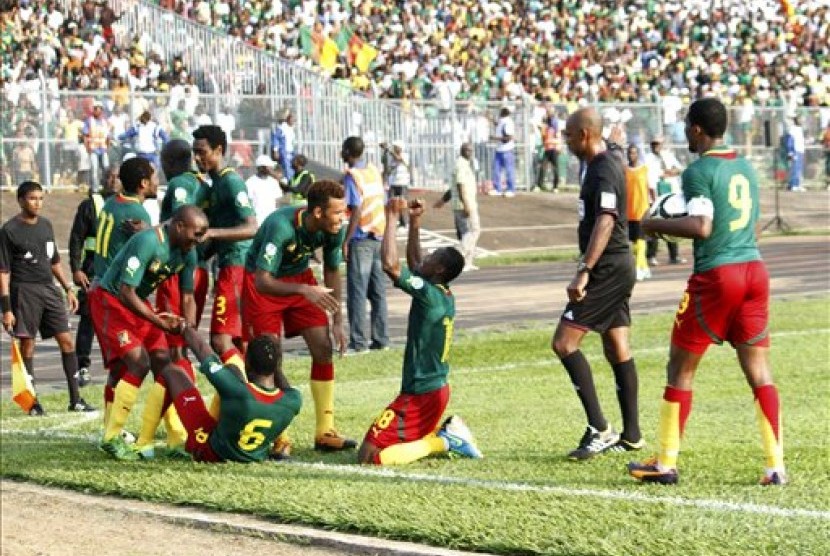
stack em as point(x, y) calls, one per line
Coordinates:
point(23, 391)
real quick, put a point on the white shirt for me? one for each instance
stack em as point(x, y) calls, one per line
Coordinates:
point(264, 193)
point(797, 134)
point(290, 138)
point(657, 164)
point(505, 127)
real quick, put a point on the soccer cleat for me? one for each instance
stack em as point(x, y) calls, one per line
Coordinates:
point(648, 472)
point(774, 478)
point(332, 441)
point(118, 449)
point(623, 445)
point(594, 443)
point(177, 452)
point(146, 452)
point(281, 449)
point(653, 262)
point(37, 410)
point(127, 437)
point(459, 438)
point(80, 406)
point(84, 377)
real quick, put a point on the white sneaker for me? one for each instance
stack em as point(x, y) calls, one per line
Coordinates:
point(509, 194)
point(469, 267)
point(459, 438)
point(493, 193)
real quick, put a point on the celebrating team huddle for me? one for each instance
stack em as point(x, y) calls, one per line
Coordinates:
point(265, 290)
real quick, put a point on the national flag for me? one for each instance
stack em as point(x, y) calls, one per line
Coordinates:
point(328, 55)
point(365, 56)
point(788, 8)
point(311, 42)
point(343, 38)
point(23, 391)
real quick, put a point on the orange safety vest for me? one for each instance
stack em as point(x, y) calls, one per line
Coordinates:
point(636, 186)
point(370, 185)
point(551, 138)
point(98, 133)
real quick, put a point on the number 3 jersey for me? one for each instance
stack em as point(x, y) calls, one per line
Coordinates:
point(251, 417)
point(428, 334)
point(729, 182)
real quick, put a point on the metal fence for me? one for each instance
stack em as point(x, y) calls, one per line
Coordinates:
point(39, 131)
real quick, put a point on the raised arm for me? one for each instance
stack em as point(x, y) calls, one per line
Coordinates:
point(413, 242)
point(389, 246)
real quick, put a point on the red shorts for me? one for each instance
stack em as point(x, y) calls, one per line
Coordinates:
point(225, 318)
point(727, 303)
point(199, 425)
point(118, 329)
point(268, 314)
point(169, 299)
point(410, 417)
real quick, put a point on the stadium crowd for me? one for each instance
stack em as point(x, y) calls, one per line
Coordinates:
point(603, 50)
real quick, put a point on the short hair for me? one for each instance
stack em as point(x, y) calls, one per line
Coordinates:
point(175, 156)
point(133, 171)
point(214, 135)
point(27, 187)
point(301, 159)
point(263, 357)
point(187, 212)
point(710, 114)
point(453, 262)
point(321, 191)
point(353, 146)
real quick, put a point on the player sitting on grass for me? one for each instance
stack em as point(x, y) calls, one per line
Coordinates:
point(252, 414)
point(406, 430)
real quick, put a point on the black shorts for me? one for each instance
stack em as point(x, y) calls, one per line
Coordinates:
point(38, 308)
point(605, 304)
point(635, 231)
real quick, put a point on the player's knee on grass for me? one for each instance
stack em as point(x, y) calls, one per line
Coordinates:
point(368, 454)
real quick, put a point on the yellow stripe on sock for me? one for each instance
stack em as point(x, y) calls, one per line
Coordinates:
point(107, 410)
point(125, 396)
point(215, 406)
point(773, 447)
point(322, 391)
point(401, 454)
point(176, 433)
point(151, 417)
point(668, 434)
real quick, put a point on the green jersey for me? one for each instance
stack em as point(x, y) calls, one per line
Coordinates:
point(283, 246)
point(730, 183)
point(228, 205)
point(251, 417)
point(184, 189)
point(146, 261)
point(428, 334)
point(114, 229)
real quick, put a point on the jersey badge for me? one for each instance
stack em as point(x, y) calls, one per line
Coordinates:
point(608, 201)
point(214, 368)
point(50, 249)
point(133, 264)
point(569, 315)
point(271, 250)
point(180, 194)
point(242, 199)
point(416, 282)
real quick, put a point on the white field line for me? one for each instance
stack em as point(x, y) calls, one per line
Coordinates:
point(62, 425)
point(504, 486)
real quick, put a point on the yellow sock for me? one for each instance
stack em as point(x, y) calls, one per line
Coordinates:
point(668, 434)
point(773, 446)
point(107, 410)
point(151, 417)
point(215, 406)
point(176, 433)
point(640, 254)
point(401, 454)
point(323, 393)
point(125, 396)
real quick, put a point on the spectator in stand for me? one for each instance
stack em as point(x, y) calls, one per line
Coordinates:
point(264, 188)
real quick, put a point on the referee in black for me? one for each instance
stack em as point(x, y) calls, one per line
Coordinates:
point(29, 299)
point(599, 292)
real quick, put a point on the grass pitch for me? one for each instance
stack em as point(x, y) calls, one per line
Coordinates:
point(524, 497)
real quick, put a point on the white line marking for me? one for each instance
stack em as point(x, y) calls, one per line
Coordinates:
point(702, 503)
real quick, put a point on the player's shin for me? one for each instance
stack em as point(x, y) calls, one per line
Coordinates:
point(674, 410)
point(151, 417)
point(401, 454)
point(322, 391)
point(767, 411)
point(126, 394)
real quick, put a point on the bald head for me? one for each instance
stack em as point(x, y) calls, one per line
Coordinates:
point(583, 133)
point(187, 227)
point(588, 119)
point(189, 215)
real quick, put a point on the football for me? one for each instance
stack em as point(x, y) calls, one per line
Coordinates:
point(670, 205)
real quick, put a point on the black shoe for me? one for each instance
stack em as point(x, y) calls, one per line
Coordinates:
point(37, 410)
point(594, 443)
point(80, 406)
point(378, 347)
point(84, 377)
point(678, 261)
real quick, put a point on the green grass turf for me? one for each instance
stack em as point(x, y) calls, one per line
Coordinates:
point(524, 497)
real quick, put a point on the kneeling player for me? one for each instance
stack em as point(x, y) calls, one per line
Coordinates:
point(253, 413)
point(406, 430)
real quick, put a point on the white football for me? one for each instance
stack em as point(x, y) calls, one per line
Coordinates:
point(670, 205)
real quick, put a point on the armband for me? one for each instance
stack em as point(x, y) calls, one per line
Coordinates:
point(5, 303)
point(700, 206)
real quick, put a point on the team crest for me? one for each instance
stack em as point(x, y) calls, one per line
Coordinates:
point(270, 251)
point(123, 338)
point(133, 264)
